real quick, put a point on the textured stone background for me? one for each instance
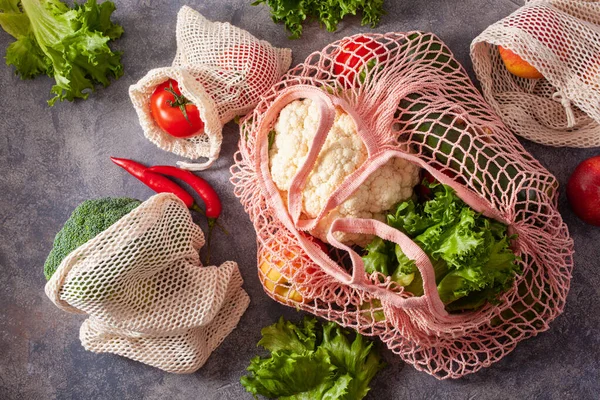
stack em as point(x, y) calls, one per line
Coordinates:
point(54, 158)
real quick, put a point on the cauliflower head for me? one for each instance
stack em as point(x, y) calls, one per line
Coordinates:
point(342, 154)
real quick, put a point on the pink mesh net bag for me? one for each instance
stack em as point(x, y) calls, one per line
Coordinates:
point(561, 39)
point(222, 70)
point(415, 103)
point(145, 291)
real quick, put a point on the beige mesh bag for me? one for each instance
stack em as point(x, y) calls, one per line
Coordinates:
point(222, 69)
point(145, 291)
point(561, 39)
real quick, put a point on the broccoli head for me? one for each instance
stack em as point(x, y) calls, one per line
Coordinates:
point(89, 219)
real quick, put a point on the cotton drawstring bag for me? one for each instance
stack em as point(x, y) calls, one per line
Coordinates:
point(416, 103)
point(222, 70)
point(561, 39)
point(145, 292)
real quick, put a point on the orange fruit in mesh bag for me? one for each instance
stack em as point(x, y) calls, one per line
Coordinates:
point(517, 66)
point(274, 273)
point(274, 282)
point(287, 263)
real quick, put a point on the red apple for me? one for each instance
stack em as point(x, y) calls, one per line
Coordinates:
point(583, 191)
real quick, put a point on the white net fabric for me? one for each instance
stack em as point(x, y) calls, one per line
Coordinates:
point(561, 39)
point(145, 291)
point(222, 69)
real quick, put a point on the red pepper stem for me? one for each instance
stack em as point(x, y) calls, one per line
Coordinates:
point(211, 221)
point(197, 208)
point(211, 226)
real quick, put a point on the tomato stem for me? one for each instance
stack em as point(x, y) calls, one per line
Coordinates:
point(180, 101)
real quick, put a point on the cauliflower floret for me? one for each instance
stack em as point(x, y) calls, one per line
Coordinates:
point(342, 154)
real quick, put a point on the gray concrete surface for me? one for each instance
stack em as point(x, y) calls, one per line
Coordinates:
point(53, 158)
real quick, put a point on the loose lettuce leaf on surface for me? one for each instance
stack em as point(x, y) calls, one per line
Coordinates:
point(312, 361)
point(329, 13)
point(70, 45)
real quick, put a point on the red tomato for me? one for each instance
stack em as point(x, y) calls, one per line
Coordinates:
point(354, 55)
point(167, 105)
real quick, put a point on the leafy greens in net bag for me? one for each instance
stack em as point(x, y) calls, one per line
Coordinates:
point(561, 39)
point(145, 292)
point(221, 69)
point(408, 100)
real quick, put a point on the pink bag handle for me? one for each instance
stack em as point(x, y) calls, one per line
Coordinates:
point(410, 248)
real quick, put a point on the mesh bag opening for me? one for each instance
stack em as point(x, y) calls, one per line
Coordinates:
point(561, 39)
point(145, 291)
point(414, 102)
point(221, 69)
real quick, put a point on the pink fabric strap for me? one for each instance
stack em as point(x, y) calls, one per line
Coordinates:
point(410, 248)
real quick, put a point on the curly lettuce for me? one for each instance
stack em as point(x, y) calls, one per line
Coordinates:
point(312, 361)
point(470, 253)
point(329, 13)
point(68, 44)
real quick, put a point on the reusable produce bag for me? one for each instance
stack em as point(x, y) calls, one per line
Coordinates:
point(145, 291)
point(561, 39)
point(222, 70)
point(417, 103)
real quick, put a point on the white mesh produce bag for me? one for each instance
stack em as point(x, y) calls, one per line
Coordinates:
point(561, 39)
point(222, 69)
point(145, 291)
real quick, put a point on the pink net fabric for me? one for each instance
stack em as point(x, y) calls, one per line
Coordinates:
point(561, 38)
point(414, 102)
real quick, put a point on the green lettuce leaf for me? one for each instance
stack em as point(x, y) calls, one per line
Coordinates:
point(470, 253)
point(379, 257)
point(293, 13)
point(355, 360)
point(286, 374)
point(286, 336)
point(70, 45)
point(311, 361)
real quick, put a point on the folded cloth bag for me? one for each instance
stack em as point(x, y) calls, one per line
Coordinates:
point(561, 39)
point(145, 291)
point(415, 102)
point(221, 69)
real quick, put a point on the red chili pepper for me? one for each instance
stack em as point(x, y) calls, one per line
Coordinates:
point(155, 181)
point(204, 190)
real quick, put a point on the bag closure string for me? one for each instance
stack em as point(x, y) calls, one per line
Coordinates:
point(560, 97)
